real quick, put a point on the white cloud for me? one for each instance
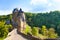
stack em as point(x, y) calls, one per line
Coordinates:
point(26, 9)
point(44, 2)
point(56, 1)
point(5, 12)
point(38, 2)
point(50, 4)
point(45, 5)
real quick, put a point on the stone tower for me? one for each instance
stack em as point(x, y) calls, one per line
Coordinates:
point(21, 21)
point(18, 20)
point(14, 18)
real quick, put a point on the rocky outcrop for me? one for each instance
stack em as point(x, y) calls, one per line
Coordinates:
point(13, 35)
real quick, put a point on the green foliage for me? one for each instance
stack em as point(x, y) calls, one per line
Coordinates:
point(45, 33)
point(49, 33)
point(42, 36)
point(51, 19)
point(44, 30)
point(27, 30)
point(1, 38)
point(9, 27)
point(35, 31)
point(52, 33)
point(3, 30)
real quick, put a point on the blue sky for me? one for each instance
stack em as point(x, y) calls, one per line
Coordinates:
point(6, 6)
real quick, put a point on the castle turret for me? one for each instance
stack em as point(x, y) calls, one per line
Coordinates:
point(18, 19)
point(21, 20)
point(15, 10)
point(14, 17)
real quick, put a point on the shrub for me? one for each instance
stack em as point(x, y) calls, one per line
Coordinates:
point(28, 29)
point(35, 31)
point(49, 33)
point(3, 30)
point(44, 31)
point(9, 27)
point(52, 33)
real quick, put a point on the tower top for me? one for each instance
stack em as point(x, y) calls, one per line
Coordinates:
point(15, 10)
point(20, 11)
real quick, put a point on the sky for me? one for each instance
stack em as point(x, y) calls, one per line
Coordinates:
point(7, 6)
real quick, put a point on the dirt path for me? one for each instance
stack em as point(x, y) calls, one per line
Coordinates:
point(14, 36)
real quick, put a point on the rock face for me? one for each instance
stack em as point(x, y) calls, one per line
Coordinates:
point(13, 35)
point(18, 20)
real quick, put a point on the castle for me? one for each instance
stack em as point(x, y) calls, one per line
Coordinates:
point(18, 20)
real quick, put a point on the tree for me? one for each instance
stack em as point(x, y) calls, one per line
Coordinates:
point(27, 30)
point(44, 30)
point(35, 31)
point(52, 33)
point(3, 30)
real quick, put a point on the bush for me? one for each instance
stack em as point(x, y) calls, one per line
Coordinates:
point(44, 30)
point(42, 36)
point(48, 33)
point(27, 30)
point(3, 30)
point(52, 33)
point(35, 31)
point(9, 27)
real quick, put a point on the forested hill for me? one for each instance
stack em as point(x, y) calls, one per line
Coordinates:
point(51, 19)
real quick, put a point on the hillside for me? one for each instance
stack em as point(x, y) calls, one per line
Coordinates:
point(50, 21)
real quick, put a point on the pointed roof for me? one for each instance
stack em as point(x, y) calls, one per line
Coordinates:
point(20, 11)
point(15, 10)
